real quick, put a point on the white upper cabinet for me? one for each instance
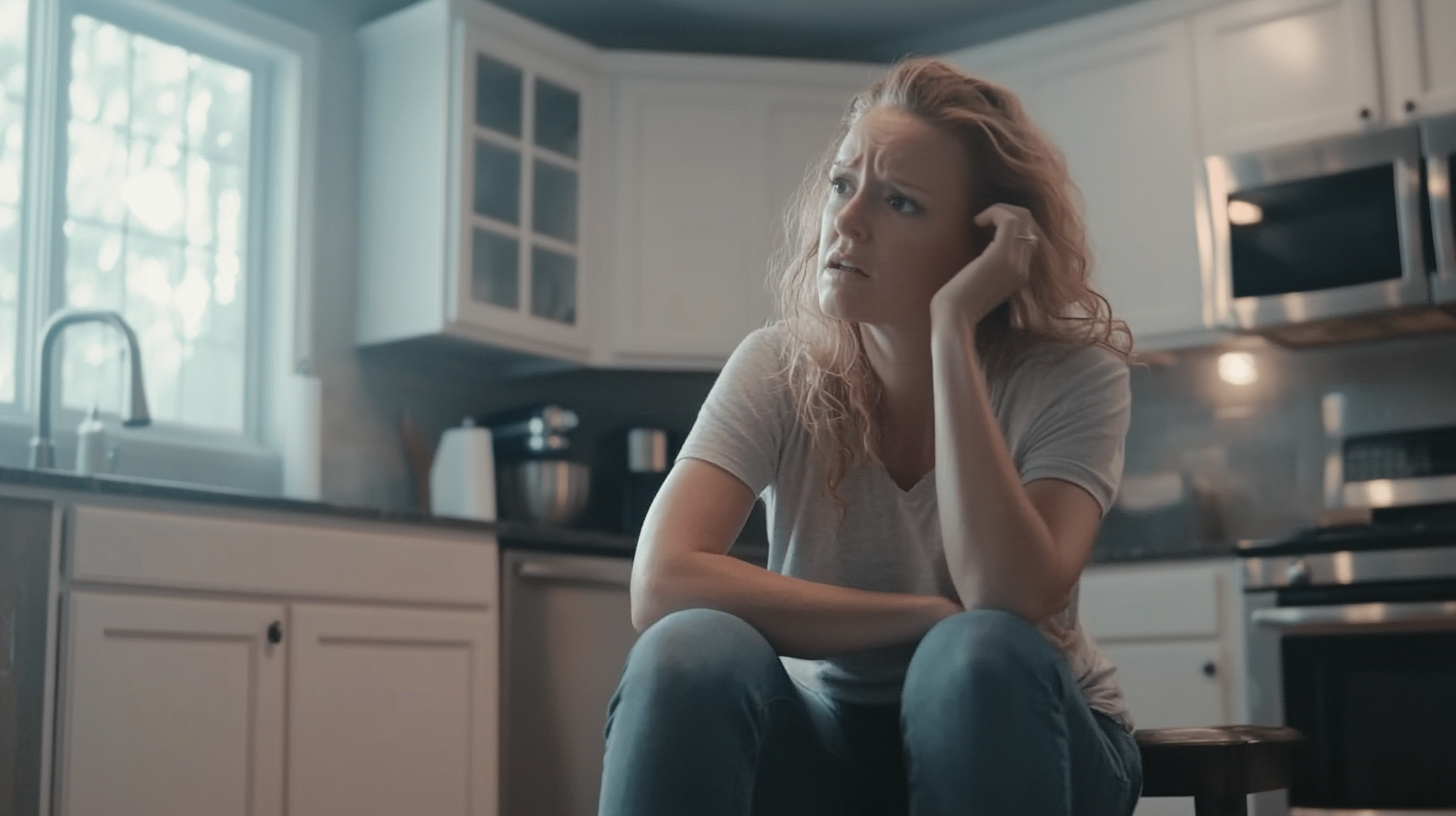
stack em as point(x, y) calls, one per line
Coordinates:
point(1121, 109)
point(1278, 71)
point(1416, 38)
point(708, 151)
point(478, 129)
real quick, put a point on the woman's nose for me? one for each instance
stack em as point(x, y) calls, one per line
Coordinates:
point(849, 220)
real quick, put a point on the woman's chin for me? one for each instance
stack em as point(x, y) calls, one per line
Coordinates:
point(840, 309)
point(838, 301)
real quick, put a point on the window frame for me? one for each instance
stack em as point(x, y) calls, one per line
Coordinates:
point(277, 450)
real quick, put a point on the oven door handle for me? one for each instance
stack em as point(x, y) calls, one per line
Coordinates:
point(1437, 613)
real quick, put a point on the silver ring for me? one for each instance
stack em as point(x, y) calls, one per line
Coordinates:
point(1029, 238)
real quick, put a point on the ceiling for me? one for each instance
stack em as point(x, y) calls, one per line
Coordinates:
point(872, 30)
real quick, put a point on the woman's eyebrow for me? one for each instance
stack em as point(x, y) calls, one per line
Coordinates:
point(899, 181)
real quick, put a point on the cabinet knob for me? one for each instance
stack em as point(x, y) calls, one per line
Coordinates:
point(1210, 669)
point(275, 632)
point(1410, 106)
point(1365, 114)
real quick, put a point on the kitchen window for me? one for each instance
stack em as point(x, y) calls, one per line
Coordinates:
point(151, 154)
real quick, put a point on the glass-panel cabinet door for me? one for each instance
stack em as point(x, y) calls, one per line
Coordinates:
point(524, 189)
point(556, 139)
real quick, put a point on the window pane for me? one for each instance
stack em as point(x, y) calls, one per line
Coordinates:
point(497, 182)
point(553, 285)
point(13, 25)
point(553, 212)
point(217, 112)
point(558, 118)
point(156, 228)
point(494, 275)
point(498, 96)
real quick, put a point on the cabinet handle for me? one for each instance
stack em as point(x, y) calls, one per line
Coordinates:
point(1410, 106)
point(1210, 669)
point(275, 632)
point(586, 573)
point(1365, 114)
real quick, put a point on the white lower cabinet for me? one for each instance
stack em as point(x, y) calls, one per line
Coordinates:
point(1174, 632)
point(171, 707)
point(177, 698)
point(386, 712)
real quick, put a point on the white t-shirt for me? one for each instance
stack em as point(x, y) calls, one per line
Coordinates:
point(1064, 412)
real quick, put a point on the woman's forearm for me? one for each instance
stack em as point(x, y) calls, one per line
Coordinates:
point(800, 618)
point(1000, 551)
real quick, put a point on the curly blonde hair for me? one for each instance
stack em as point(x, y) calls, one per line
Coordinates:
point(833, 386)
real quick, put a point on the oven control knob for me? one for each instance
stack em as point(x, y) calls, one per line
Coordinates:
point(1297, 573)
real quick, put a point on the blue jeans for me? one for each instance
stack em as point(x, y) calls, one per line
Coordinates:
point(707, 722)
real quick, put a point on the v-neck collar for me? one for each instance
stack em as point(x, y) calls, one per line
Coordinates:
point(917, 490)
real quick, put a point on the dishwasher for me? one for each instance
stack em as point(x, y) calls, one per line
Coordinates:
point(566, 630)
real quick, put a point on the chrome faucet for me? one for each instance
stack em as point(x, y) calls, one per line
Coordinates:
point(42, 450)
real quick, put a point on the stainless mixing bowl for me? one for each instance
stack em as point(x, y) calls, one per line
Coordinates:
point(547, 491)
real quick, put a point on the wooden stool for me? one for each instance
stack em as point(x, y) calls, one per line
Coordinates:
point(1217, 766)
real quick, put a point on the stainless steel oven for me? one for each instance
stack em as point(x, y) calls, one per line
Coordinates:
point(1351, 637)
point(1325, 241)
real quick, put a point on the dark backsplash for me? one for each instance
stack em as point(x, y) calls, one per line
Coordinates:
point(1251, 454)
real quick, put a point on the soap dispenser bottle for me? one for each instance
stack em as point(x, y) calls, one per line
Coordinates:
point(91, 443)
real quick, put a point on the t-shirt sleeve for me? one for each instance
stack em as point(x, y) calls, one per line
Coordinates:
point(1075, 422)
point(740, 427)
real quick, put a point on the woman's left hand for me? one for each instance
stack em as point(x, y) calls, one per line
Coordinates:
point(994, 275)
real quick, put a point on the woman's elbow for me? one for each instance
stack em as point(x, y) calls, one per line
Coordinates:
point(649, 604)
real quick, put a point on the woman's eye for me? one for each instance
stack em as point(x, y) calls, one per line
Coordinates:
point(838, 186)
point(900, 203)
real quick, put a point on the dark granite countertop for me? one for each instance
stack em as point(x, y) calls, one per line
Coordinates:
point(512, 534)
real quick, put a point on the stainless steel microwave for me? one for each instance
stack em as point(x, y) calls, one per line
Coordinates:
point(1335, 240)
point(1438, 140)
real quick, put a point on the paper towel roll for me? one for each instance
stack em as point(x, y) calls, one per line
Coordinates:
point(462, 478)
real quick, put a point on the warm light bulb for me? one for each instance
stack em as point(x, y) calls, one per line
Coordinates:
point(1244, 213)
point(1238, 368)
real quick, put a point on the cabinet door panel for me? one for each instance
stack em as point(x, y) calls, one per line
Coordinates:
point(1122, 113)
point(693, 214)
point(1419, 62)
point(1167, 602)
point(171, 708)
point(392, 711)
point(1166, 684)
point(1274, 71)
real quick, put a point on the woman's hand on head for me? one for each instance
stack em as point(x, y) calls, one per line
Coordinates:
point(994, 275)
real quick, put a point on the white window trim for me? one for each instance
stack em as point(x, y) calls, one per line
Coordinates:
point(281, 451)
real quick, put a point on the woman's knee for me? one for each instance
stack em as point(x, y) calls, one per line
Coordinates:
point(694, 648)
point(982, 646)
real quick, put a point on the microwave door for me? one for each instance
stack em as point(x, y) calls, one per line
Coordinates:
point(1439, 142)
point(1323, 230)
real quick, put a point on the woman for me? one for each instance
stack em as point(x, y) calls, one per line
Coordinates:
point(936, 425)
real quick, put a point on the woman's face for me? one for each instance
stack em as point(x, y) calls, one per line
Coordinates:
point(897, 224)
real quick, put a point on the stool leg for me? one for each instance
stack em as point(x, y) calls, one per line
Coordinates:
point(1213, 805)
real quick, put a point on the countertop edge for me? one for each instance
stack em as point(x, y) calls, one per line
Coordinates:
point(515, 534)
